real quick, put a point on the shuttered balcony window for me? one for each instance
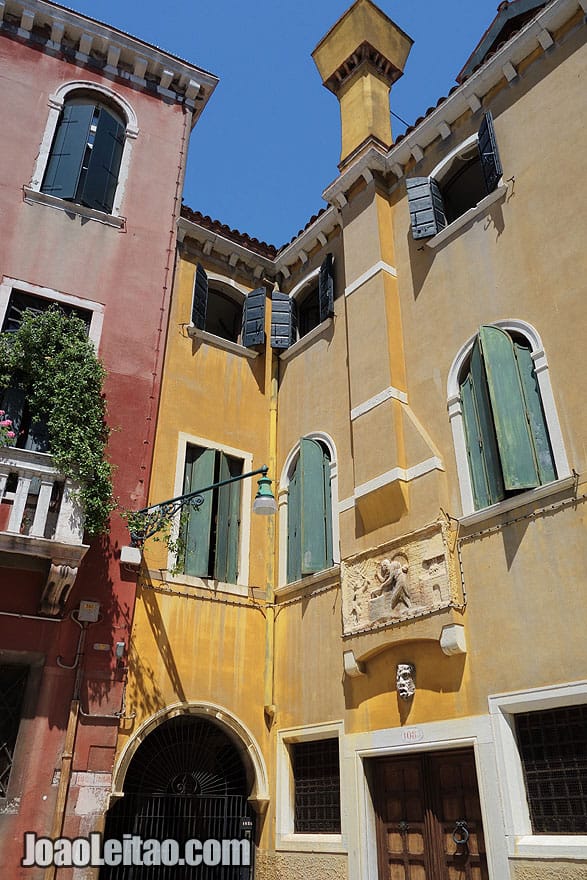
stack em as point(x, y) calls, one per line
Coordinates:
point(309, 512)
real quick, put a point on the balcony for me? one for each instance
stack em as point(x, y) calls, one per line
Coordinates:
point(40, 516)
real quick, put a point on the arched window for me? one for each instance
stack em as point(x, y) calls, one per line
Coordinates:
point(462, 180)
point(226, 311)
point(310, 303)
point(84, 161)
point(503, 416)
point(309, 511)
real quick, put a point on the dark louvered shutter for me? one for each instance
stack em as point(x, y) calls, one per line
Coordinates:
point(200, 298)
point(426, 208)
point(326, 288)
point(102, 175)
point(69, 145)
point(253, 332)
point(283, 320)
point(488, 153)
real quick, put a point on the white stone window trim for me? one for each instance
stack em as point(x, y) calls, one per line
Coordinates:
point(521, 842)
point(183, 441)
point(455, 414)
point(56, 103)
point(433, 736)
point(282, 500)
point(219, 342)
point(8, 285)
point(286, 839)
point(238, 294)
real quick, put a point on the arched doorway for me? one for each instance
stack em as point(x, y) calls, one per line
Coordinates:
point(185, 781)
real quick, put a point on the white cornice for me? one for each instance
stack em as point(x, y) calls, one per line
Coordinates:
point(212, 241)
point(108, 51)
point(315, 234)
point(467, 97)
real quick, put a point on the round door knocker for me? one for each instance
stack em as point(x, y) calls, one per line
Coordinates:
point(460, 834)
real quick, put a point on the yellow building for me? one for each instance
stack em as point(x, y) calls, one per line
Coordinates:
point(387, 678)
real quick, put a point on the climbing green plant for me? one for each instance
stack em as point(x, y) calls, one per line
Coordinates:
point(52, 360)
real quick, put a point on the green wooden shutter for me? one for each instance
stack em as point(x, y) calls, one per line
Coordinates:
point(314, 550)
point(516, 449)
point(488, 153)
point(426, 208)
point(67, 153)
point(484, 464)
point(253, 329)
point(326, 289)
point(294, 533)
point(535, 413)
point(227, 522)
point(200, 298)
point(327, 508)
point(101, 179)
point(199, 473)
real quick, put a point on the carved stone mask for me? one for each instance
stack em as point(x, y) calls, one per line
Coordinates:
point(404, 677)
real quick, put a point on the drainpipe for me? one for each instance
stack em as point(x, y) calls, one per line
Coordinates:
point(272, 373)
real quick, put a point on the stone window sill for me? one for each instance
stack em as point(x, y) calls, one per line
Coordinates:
point(323, 843)
point(479, 209)
point(33, 196)
point(219, 342)
point(319, 579)
point(306, 340)
point(537, 494)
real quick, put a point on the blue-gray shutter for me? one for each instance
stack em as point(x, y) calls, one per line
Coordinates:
point(488, 153)
point(67, 152)
point(253, 329)
point(426, 208)
point(200, 298)
point(101, 178)
point(326, 289)
point(284, 324)
point(514, 441)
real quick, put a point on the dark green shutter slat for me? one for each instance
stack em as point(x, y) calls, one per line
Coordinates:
point(199, 473)
point(253, 331)
point(67, 152)
point(426, 208)
point(200, 298)
point(516, 449)
point(326, 288)
point(481, 495)
point(486, 428)
point(283, 320)
point(227, 522)
point(489, 154)
point(538, 427)
point(101, 178)
point(312, 507)
point(294, 555)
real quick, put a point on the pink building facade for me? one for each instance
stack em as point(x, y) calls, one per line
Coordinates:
point(96, 126)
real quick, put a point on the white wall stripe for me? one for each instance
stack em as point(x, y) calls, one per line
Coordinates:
point(362, 279)
point(374, 401)
point(404, 474)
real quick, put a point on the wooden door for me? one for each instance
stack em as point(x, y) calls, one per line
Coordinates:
point(429, 818)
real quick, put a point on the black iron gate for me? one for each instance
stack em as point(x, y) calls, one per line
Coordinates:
point(185, 782)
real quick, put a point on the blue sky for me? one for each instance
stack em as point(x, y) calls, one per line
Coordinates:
point(268, 142)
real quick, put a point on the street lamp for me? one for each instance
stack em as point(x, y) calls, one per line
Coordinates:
point(147, 522)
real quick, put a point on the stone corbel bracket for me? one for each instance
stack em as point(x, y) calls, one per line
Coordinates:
point(57, 588)
point(352, 667)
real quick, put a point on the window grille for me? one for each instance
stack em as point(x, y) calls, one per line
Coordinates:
point(12, 687)
point(316, 773)
point(553, 749)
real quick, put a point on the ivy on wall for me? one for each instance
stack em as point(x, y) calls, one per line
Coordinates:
point(52, 360)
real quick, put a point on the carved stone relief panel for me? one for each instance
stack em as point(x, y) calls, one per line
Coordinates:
point(405, 579)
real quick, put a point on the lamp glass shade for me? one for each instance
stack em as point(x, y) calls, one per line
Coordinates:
point(264, 503)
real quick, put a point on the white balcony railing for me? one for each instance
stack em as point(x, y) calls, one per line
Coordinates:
point(38, 508)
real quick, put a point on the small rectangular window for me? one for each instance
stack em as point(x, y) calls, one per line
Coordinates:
point(13, 681)
point(553, 749)
point(316, 773)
